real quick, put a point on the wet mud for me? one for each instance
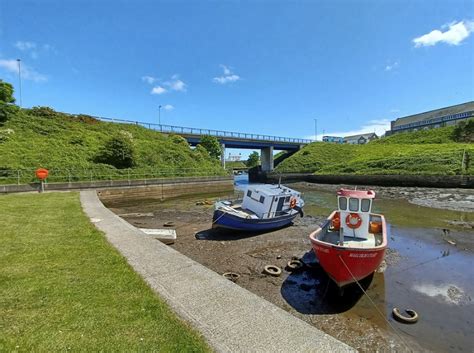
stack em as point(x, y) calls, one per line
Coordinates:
point(427, 268)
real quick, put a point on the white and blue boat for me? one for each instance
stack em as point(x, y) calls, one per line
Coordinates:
point(263, 207)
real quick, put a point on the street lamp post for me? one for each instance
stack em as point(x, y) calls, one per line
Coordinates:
point(19, 79)
point(159, 115)
point(315, 129)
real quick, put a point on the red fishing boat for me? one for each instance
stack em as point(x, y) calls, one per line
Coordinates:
point(351, 243)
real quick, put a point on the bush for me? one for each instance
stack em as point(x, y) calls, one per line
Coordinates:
point(43, 112)
point(464, 131)
point(118, 152)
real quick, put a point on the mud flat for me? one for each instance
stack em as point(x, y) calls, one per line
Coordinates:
point(422, 271)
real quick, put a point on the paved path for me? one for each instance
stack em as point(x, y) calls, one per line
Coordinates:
point(231, 318)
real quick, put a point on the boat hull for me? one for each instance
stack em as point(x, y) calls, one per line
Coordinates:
point(228, 221)
point(347, 265)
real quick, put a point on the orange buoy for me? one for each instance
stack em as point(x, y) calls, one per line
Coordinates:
point(42, 173)
point(353, 220)
point(375, 227)
point(336, 222)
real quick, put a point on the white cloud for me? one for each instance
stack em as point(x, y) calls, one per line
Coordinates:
point(379, 126)
point(158, 90)
point(227, 77)
point(168, 107)
point(149, 79)
point(25, 46)
point(27, 72)
point(173, 84)
point(392, 66)
point(457, 32)
point(176, 85)
point(394, 110)
point(33, 49)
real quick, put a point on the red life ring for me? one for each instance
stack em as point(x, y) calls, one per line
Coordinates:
point(293, 202)
point(353, 220)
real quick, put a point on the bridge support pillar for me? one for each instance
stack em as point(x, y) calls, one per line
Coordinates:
point(223, 155)
point(266, 159)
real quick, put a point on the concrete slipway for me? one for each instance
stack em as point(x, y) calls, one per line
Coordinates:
point(231, 318)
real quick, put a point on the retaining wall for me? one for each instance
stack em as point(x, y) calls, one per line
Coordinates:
point(438, 181)
point(166, 190)
point(220, 183)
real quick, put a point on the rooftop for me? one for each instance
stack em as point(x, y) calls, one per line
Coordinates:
point(437, 113)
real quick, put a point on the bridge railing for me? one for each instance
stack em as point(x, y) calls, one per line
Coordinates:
point(172, 129)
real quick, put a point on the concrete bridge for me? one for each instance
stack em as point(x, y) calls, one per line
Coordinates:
point(228, 139)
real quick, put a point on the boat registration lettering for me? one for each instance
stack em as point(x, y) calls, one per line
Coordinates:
point(363, 255)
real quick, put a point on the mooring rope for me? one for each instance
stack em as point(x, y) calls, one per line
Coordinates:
point(375, 306)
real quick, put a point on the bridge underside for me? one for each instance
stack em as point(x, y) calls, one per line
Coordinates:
point(266, 148)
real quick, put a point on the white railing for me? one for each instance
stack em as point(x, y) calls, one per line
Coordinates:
point(182, 130)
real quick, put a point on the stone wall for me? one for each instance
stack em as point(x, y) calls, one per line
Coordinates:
point(219, 182)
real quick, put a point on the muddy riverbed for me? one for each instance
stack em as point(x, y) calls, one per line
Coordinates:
point(428, 268)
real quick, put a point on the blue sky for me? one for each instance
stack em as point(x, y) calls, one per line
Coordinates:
point(266, 67)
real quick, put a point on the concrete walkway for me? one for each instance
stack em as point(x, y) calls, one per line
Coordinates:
point(230, 318)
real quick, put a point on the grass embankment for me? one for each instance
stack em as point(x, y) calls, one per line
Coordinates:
point(432, 152)
point(63, 287)
point(69, 145)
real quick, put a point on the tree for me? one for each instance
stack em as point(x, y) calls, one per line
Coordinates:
point(118, 151)
point(253, 159)
point(6, 92)
point(212, 146)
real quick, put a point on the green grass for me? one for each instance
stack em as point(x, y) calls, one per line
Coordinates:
point(430, 152)
point(63, 287)
point(68, 145)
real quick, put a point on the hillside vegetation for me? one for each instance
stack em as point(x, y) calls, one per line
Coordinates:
point(430, 152)
point(81, 147)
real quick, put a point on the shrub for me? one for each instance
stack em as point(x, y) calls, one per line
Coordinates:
point(43, 112)
point(118, 152)
point(464, 131)
point(6, 92)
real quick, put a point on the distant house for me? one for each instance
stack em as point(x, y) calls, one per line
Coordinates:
point(333, 139)
point(360, 139)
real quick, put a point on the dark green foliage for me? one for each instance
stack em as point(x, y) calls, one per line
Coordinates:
point(44, 112)
point(253, 160)
point(118, 152)
point(212, 145)
point(6, 92)
point(7, 110)
point(464, 131)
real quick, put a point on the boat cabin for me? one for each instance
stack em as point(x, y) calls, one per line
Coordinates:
point(267, 201)
point(354, 208)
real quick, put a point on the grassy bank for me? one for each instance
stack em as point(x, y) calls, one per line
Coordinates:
point(432, 152)
point(63, 287)
point(70, 145)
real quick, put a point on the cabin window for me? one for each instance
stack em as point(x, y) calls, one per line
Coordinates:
point(365, 205)
point(262, 199)
point(342, 203)
point(353, 204)
point(249, 193)
point(287, 199)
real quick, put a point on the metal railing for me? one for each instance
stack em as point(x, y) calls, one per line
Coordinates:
point(182, 130)
point(27, 176)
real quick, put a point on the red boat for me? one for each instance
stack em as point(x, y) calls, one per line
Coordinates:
point(351, 244)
